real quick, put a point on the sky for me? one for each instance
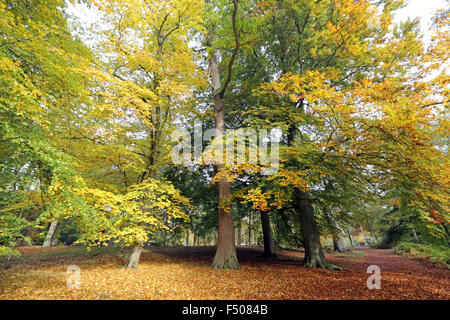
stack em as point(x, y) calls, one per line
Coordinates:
point(424, 9)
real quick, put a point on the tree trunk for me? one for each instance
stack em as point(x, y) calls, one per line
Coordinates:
point(335, 244)
point(269, 249)
point(134, 257)
point(349, 237)
point(225, 257)
point(447, 233)
point(371, 230)
point(314, 256)
point(50, 233)
point(416, 238)
point(239, 241)
point(187, 238)
point(249, 231)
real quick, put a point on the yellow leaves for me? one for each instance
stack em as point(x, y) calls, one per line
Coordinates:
point(130, 217)
point(288, 178)
point(257, 199)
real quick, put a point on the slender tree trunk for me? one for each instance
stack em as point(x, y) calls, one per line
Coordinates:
point(50, 233)
point(447, 233)
point(195, 240)
point(416, 238)
point(134, 257)
point(187, 238)
point(249, 233)
point(269, 249)
point(446, 229)
point(225, 257)
point(314, 256)
point(239, 240)
point(349, 237)
point(371, 230)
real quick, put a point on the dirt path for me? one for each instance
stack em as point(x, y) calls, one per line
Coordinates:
point(185, 273)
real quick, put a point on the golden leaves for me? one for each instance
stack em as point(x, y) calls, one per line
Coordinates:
point(185, 273)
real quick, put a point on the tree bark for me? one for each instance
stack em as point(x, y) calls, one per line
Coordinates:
point(134, 257)
point(416, 238)
point(269, 248)
point(349, 237)
point(50, 233)
point(187, 238)
point(335, 244)
point(249, 233)
point(338, 244)
point(447, 233)
point(239, 238)
point(372, 233)
point(314, 256)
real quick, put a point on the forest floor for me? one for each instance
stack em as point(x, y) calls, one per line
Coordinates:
point(185, 273)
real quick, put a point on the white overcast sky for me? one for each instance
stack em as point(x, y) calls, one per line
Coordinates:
point(424, 9)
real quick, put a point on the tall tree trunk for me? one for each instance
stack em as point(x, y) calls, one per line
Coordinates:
point(50, 233)
point(314, 256)
point(225, 257)
point(269, 249)
point(134, 257)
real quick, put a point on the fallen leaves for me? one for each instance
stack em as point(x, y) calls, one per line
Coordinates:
point(185, 273)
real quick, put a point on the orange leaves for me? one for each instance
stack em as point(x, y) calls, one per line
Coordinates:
point(287, 178)
point(257, 198)
point(185, 273)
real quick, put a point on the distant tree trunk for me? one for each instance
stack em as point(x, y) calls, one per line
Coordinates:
point(187, 238)
point(335, 244)
point(195, 240)
point(239, 237)
point(269, 249)
point(447, 233)
point(446, 229)
point(249, 233)
point(314, 256)
point(134, 257)
point(347, 232)
point(371, 230)
point(50, 233)
point(416, 238)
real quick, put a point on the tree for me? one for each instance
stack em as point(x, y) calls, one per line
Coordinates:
point(41, 83)
point(143, 87)
point(324, 97)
